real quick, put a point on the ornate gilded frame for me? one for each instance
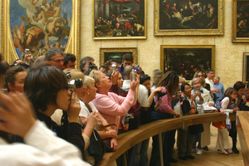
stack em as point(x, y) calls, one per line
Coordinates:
point(144, 36)
point(236, 37)
point(245, 75)
point(7, 47)
point(191, 32)
point(190, 51)
point(104, 51)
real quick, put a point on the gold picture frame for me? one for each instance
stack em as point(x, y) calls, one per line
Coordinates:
point(119, 19)
point(245, 75)
point(73, 34)
point(115, 54)
point(240, 21)
point(177, 18)
point(186, 59)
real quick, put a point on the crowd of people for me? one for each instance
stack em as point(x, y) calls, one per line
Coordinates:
point(54, 114)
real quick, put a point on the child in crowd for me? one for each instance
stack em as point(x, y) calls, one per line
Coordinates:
point(228, 105)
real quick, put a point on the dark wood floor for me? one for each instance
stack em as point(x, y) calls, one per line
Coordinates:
point(212, 157)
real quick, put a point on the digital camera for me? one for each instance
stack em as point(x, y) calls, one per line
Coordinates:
point(77, 83)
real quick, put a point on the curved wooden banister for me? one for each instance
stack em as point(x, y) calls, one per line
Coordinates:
point(243, 132)
point(129, 139)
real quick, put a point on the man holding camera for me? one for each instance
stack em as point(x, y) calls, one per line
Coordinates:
point(202, 96)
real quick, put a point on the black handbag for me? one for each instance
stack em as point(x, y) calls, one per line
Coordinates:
point(96, 148)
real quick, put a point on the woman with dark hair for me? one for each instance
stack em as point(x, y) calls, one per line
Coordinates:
point(185, 135)
point(3, 68)
point(41, 146)
point(239, 86)
point(228, 105)
point(14, 78)
point(164, 110)
point(48, 90)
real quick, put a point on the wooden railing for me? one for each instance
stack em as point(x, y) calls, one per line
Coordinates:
point(129, 139)
point(243, 132)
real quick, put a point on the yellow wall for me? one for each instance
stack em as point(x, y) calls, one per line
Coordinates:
point(228, 56)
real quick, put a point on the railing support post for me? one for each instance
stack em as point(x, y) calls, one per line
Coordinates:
point(125, 159)
point(161, 148)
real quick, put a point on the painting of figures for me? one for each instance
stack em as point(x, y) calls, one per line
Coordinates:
point(246, 67)
point(38, 25)
point(116, 54)
point(200, 17)
point(123, 19)
point(187, 59)
point(179, 14)
point(240, 20)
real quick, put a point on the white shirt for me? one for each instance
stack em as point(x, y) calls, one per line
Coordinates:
point(224, 105)
point(42, 148)
point(84, 112)
point(210, 82)
point(205, 94)
point(143, 93)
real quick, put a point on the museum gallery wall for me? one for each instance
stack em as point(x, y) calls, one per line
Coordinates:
point(222, 34)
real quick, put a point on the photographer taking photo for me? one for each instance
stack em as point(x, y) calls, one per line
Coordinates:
point(41, 146)
point(48, 90)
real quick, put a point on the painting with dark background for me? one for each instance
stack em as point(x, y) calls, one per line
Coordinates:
point(39, 25)
point(246, 67)
point(116, 54)
point(119, 18)
point(188, 14)
point(186, 61)
point(242, 16)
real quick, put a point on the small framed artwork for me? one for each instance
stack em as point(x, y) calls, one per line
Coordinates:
point(187, 59)
point(195, 17)
point(119, 19)
point(240, 20)
point(38, 26)
point(116, 54)
point(246, 67)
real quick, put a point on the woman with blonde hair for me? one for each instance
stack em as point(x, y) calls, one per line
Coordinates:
point(86, 94)
point(109, 104)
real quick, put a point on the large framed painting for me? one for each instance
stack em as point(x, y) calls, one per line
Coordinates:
point(38, 25)
point(187, 59)
point(240, 20)
point(246, 67)
point(116, 54)
point(188, 17)
point(119, 19)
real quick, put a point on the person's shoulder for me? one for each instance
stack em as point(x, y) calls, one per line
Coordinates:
point(225, 99)
point(205, 90)
point(98, 97)
point(112, 94)
point(142, 87)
